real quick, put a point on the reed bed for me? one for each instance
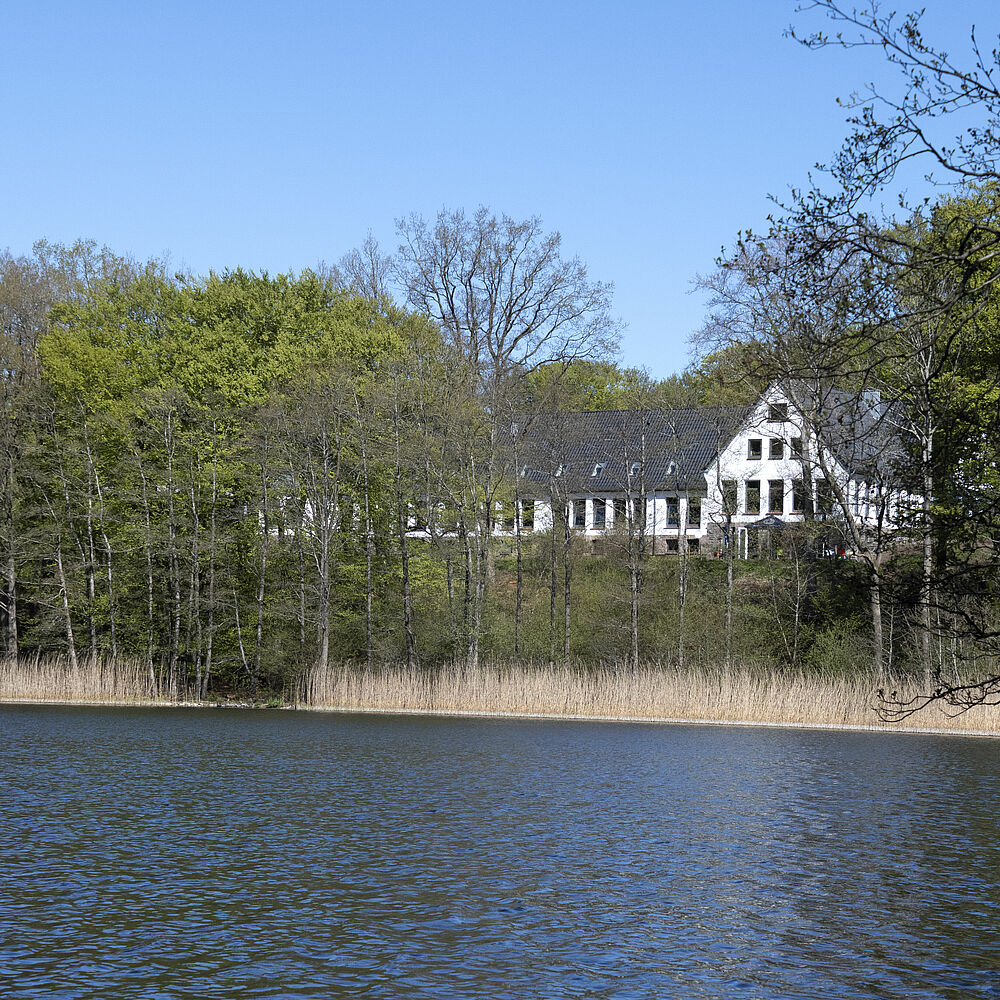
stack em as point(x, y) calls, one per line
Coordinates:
point(54, 678)
point(654, 692)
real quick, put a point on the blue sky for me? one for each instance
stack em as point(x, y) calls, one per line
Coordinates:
point(274, 136)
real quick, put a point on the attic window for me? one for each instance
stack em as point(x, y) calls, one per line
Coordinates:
point(777, 413)
point(755, 449)
point(561, 469)
point(636, 468)
point(598, 468)
point(671, 468)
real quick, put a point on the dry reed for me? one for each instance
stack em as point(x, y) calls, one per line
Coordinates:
point(54, 678)
point(653, 692)
point(746, 694)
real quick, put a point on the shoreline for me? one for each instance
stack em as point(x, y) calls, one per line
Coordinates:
point(514, 716)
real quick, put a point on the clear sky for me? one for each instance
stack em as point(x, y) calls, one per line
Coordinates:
point(276, 135)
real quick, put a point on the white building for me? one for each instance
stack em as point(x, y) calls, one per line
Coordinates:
point(694, 479)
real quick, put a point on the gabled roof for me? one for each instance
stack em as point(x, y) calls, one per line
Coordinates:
point(675, 446)
point(859, 430)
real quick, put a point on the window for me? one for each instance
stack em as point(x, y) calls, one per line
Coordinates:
point(636, 468)
point(796, 447)
point(579, 513)
point(729, 496)
point(673, 546)
point(507, 517)
point(560, 469)
point(693, 545)
point(619, 512)
point(673, 515)
point(598, 468)
point(777, 413)
point(600, 513)
point(753, 496)
point(776, 496)
point(798, 496)
point(639, 511)
point(824, 497)
point(694, 512)
point(777, 448)
point(528, 515)
point(755, 449)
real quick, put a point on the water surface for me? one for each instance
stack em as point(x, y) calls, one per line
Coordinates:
point(172, 853)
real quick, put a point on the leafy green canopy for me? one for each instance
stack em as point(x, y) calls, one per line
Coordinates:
point(221, 342)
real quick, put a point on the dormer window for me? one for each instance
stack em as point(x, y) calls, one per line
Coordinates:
point(598, 469)
point(755, 449)
point(777, 413)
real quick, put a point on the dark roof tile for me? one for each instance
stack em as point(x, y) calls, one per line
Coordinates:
point(678, 446)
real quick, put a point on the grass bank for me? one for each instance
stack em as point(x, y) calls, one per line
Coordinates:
point(752, 695)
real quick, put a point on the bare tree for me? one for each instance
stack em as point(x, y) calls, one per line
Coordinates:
point(506, 301)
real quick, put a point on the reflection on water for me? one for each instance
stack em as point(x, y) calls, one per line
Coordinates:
point(266, 854)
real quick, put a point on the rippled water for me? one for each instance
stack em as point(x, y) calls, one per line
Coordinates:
point(160, 854)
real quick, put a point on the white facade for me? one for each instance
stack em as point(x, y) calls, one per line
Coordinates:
point(771, 469)
point(668, 514)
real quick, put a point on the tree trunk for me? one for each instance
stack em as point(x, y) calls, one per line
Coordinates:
point(729, 592)
point(927, 569)
point(553, 579)
point(682, 571)
point(212, 543)
point(302, 593)
point(64, 596)
point(102, 525)
point(878, 643)
point(402, 526)
point(173, 563)
point(90, 569)
point(261, 577)
point(567, 581)
point(148, 546)
point(369, 537)
point(463, 533)
point(10, 569)
point(519, 592)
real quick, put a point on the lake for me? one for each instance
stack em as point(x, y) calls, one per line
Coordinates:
point(240, 854)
